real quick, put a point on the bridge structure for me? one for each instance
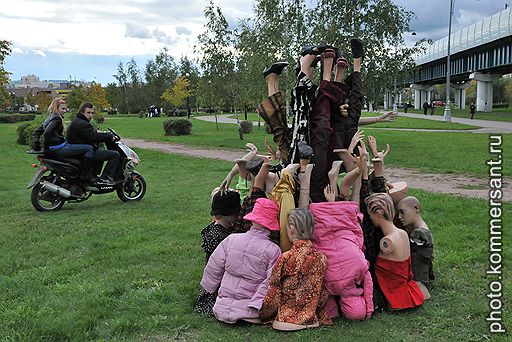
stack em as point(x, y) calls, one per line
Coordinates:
point(480, 52)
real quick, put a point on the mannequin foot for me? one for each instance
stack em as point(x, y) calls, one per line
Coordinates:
point(347, 158)
point(333, 175)
point(292, 168)
point(271, 181)
point(305, 63)
point(305, 176)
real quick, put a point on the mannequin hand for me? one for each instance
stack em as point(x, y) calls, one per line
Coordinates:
point(344, 110)
point(384, 153)
point(251, 147)
point(224, 185)
point(355, 140)
point(386, 117)
point(372, 144)
point(329, 193)
point(271, 151)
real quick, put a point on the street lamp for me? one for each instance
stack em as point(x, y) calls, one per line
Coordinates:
point(188, 96)
point(447, 110)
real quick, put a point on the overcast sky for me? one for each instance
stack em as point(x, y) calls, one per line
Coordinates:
point(59, 39)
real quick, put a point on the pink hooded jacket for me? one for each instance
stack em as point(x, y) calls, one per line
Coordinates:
point(241, 265)
point(338, 235)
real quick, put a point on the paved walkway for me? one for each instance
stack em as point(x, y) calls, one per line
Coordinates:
point(486, 126)
point(440, 183)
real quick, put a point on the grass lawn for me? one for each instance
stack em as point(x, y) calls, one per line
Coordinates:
point(401, 122)
point(433, 152)
point(112, 271)
point(498, 114)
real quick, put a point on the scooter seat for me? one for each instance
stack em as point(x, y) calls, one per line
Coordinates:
point(72, 161)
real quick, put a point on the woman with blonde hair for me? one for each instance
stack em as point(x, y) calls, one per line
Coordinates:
point(54, 142)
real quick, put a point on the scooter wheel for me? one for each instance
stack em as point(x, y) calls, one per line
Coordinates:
point(133, 189)
point(43, 200)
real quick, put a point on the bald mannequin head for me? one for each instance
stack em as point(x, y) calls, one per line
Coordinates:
point(409, 211)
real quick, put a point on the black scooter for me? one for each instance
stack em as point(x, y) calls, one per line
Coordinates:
point(57, 179)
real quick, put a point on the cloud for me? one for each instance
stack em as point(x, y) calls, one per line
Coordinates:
point(17, 50)
point(183, 30)
point(135, 30)
point(162, 37)
point(39, 52)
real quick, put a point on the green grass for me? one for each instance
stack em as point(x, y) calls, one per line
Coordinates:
point(401, 122)
point(498, 114)
point(440, 152)
point(113, 271)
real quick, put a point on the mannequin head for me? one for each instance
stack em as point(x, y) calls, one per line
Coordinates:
point(380, 208)
point(300, 224)
point(409, 210)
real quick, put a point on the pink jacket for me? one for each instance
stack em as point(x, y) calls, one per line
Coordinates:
point(241, 265)
point(338, 235)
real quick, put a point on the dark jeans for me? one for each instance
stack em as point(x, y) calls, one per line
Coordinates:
point(74, 150)
point(100, 156)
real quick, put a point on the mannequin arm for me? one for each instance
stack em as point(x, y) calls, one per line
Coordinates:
point(386, 117)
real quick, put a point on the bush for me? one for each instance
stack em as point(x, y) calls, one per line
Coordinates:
point(12, 118)
point(500, 105)
point(177, 127)
point(98, 118)
point(246, 126)
point(25, 131)
point(182, 112)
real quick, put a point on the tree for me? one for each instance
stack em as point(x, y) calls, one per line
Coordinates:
point(40, 99)
point(122, 79)
point(5, 50)
point(215, 46)
point(96, 94)
point(76, 98)
point(178, 93)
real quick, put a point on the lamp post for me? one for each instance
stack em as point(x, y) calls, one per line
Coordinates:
point(188, 96)
point(447, 110)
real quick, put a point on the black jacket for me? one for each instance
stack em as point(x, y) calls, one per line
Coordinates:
point(81, 131)
point(52, 132)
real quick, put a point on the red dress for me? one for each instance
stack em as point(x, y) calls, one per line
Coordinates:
point(395, 281)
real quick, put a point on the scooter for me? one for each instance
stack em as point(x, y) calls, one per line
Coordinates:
point(57, 180)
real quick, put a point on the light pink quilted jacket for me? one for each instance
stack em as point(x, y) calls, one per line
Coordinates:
point(240, 267)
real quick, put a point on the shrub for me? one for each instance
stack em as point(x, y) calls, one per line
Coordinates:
point(177, 127)
point(98, 118)
point(12, 118)
point(246, 126)
point(25, 131)
point(182, 112)
point(500, 105)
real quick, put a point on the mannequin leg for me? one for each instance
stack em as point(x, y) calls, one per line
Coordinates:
point(304, 180)
point(333, 175)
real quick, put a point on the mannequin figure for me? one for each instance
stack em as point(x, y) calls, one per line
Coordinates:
point(297, 295)
point(393, 266)
point(422, 244)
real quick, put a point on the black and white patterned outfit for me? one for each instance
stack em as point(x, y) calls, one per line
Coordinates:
point(213, 234)
point(302, 99)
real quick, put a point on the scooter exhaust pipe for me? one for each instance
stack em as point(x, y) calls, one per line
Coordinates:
point(56, 189)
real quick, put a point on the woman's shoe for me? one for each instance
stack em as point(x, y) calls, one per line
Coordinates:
point(305, 151)
point(313, 49)
point(316, 61)
point(357, 48)
point(342, 62)
point(275, 68)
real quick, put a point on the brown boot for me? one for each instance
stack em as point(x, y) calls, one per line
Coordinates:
point(273, 113)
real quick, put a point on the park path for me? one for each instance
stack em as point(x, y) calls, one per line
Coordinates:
point(440, 183)
point(485, 126)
